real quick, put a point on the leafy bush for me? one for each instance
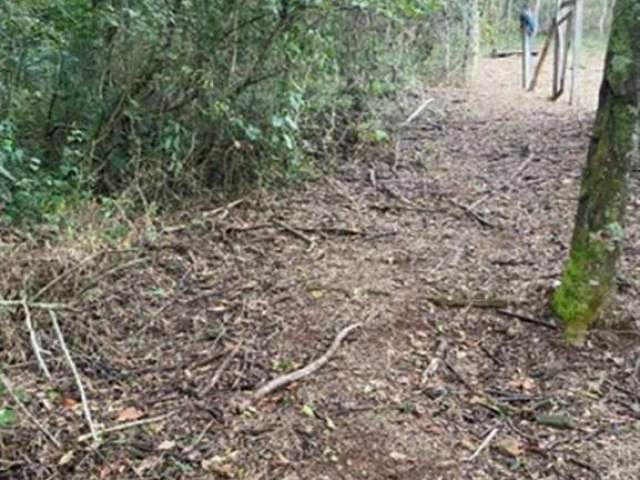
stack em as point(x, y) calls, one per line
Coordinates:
point(168, 98)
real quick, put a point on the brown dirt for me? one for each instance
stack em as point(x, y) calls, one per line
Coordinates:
point(388, 240)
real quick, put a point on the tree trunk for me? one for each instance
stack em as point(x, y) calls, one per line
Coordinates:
point(447, 42)
point(472, 40)
point(605, 16)
point(588, 283)
point(506, 10)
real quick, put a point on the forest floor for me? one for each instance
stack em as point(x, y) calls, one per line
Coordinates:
point(445, 252)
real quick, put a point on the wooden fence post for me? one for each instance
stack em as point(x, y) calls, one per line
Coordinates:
point(526, 59)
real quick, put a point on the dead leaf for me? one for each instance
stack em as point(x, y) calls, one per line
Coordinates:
point(148, 463)
point(528, 383)
point(523, 383)
point(167, 445)
point(225, 470)
point(316, 294)
point(207, 464)
point(218, 309)
point(307, 410)
point(511, 446)
point(66, 458)
point(129, 414)
point(329, 423)
point(68, 403)
point(561, 422)
point(399, 457)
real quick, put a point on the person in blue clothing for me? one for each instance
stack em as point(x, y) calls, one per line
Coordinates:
point(528, 20)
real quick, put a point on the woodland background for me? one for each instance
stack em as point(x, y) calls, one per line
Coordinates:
point(149, 102)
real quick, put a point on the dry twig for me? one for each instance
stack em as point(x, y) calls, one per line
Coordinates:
point(305, 371)
point(76, 374)
point(124, 426)
point(9, 387)
point(65, 274)
point(482, 446)
point(295, 232)
point(507, 183)
point(223, 366)
point(449, 302)
point(34, 340)
point(527, 319)
point(43, 306)
point(96, 278)
point(417, 112)
point(472, 213)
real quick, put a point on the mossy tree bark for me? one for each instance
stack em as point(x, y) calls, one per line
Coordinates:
point(588, 283)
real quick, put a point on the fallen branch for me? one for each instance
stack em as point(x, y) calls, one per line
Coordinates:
point(199, 438)
point(527, 319)
point(124, 426)
point(96, 278)
point(34, 340)
point(417, 112)
point(295, 232)
point(300, 231)
point(336, 231)
point(65, 274)
point(76, 375)
point(224, 209)
point(43, 306)
point(471, 302)
point(402, 198)
point(482, 446)
point(472, 213)
point(283, 380)
point(386, 208)
point(222, 213)
point(507, 183)
point(223, 366)
point(245, 228)
point(586, 466)
point(377, 236)
point(9, 388)
point(518, 170)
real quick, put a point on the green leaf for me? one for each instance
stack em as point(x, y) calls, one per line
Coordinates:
point(7, 417)
point(288, 141)
point(308, 411)
point(561, 422)
point(290, 122)
point(329, 423)
point(6, 174)
point(380, 136)
point(277, 121)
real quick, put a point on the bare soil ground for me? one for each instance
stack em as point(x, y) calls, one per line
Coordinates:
point(445, 251)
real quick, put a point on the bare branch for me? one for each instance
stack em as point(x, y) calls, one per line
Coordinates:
point(9, 387)
point(76, 374)
point(308, 370)
point(34, 340)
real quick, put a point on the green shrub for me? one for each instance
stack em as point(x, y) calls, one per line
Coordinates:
point(169, 98)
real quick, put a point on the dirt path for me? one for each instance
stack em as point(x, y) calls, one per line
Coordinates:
point(471, 218)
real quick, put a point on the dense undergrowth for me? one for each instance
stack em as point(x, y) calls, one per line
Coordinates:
point(159, 100)
point(156, 101)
